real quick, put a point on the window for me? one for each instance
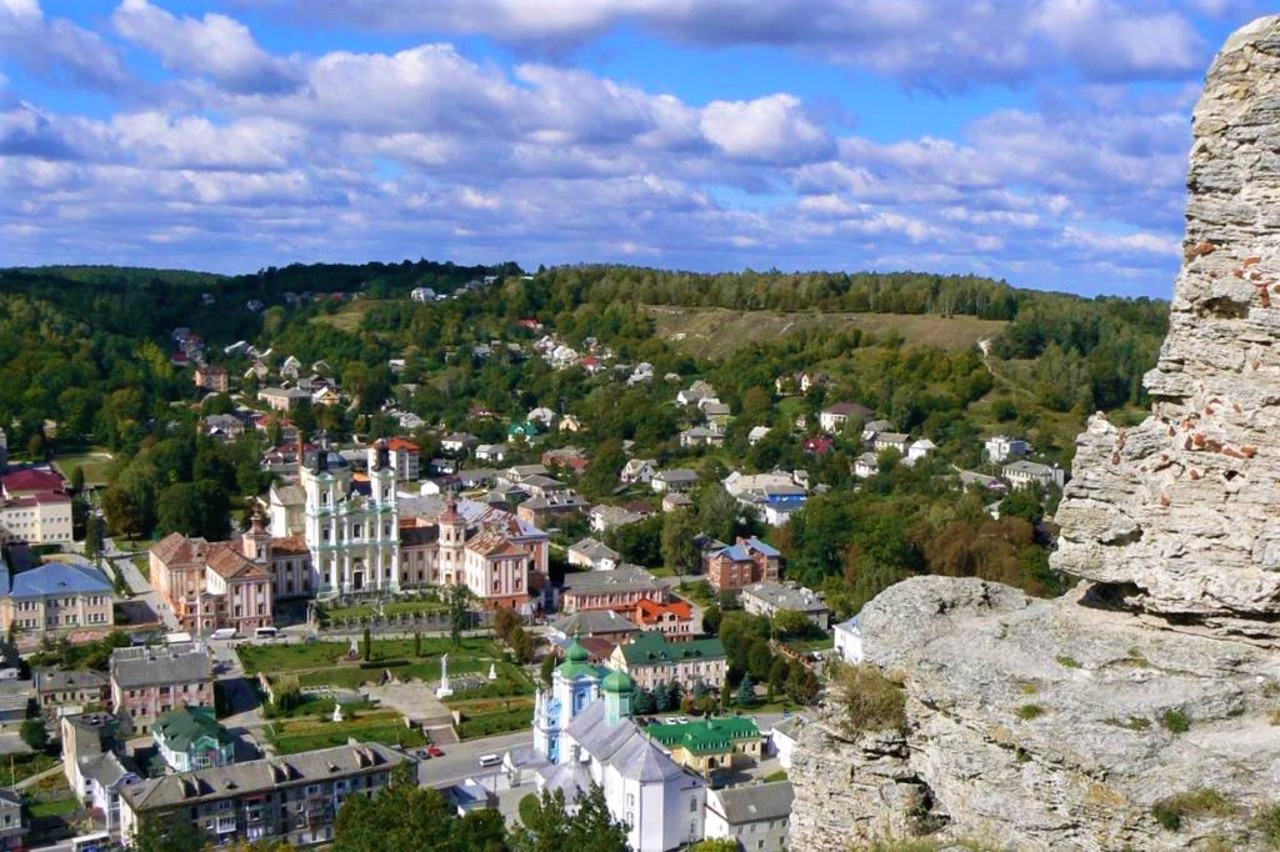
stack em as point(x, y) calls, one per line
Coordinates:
point(693, 806)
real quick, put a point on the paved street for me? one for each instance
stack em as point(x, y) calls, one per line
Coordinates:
point(144, 595)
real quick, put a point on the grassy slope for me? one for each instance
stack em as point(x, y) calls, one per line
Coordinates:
point(717, 332)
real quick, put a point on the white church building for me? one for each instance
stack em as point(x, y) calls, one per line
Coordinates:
point(596, 741)
point(353, 537)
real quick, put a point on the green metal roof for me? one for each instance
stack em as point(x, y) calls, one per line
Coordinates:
point(652, 648)
point(706, 736)
point(188, 726)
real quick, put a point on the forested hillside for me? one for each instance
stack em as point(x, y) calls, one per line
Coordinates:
point(88, 358)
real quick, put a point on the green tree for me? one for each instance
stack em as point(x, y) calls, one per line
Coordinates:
point(504, 622)
point(366, 645)
point(403, 817)
point(459, 600)
point(747, 692)
point(718, 512)
point(198, 509)
point(718, 844)
point(521, 644)
point(678, 550)
point(552, 828)
point(77, 479)
point(792, 623)
point(35, 734)
point(168, 832)
point(549, 663)
point(802, 685)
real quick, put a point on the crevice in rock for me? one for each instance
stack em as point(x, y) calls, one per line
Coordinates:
point(1220, 307)
point(1113, 597)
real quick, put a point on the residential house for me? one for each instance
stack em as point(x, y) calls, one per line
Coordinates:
point(675, 479)
point(677, 620)
point(771, 497)
point(695, 393)
point(605, 518)
point(13, 830)
point(619, 589)
point(711, 744)
point(744, 563)
point(475, 477)
point(756, 435)
point(491, 453)
point(150, 681)
point(918, 451)
point(567, 458)
point(458, 442)
point(594, 554)
point(283, 399)
point(405, 458)
point(833, 417)
point(702, 436)
point(673, 501)
point(292, 798)
point(638, 471)
point(1001, 448)
point(95, 765)
point(422, 294)
point(224, 427)
point(570, 423)
point(971, 478)
point(1023, 474)
point(545, 511)
point(784, 737)
point(770, 598)
point(544, 417)
point(866, 465)
point(290, 368)
point(715, 412)
point(16, 699)
point(651, 658)
point(756, 816)
point(524, 430)
point(326, 396)
point(800, 382)
point(818, 445)
point(642, 373)
point(212, 378)
point(59, 688)
point(896, 441)
point(599, 623)
point(191, 738)
point(50, 598)
point(873, 427)
point(848, 636)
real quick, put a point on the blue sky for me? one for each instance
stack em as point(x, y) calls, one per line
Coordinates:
point(1040, 141)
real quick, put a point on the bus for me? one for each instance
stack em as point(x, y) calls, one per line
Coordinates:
point(98, 842)
point(265, 633)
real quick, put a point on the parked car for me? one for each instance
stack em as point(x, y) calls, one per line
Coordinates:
point(435, 751)
point(422, 754)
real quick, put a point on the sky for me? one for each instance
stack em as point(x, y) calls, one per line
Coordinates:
point(1043, 142)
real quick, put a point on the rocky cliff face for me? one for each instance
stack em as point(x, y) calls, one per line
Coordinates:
point(1182, 510)
point(1060, 724)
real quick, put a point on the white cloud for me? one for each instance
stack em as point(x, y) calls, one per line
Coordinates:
point(195, 142)
point(772, 129)
point(58, 49)
point(216, 47)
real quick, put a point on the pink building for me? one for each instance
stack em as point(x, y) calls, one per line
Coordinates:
point(148, 682)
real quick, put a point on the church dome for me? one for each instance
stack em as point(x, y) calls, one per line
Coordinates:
point(618, 682)
point(576, 653)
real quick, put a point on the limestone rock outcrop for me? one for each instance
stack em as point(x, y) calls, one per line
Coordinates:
point(1060, 724)
point(1041, 725)
point(1182, 510)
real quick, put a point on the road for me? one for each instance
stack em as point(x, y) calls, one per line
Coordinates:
point(144, 595)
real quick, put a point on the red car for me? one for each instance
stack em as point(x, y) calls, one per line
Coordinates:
point(435, 751)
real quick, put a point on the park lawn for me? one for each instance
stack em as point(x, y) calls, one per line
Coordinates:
point(780, 775)
point(277, 659)
point(700, 592)
point(143, 564)
point(316, 706)
point(94, 465)
point(806, 646)
point(394, 608)
point(490, 724)
point(294, 736)
point(352, 676)
point(662, 571)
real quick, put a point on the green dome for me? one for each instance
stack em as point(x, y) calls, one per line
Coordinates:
point(576, 653)
point(618, 682)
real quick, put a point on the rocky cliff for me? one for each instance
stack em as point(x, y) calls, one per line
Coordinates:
point(1136, 712)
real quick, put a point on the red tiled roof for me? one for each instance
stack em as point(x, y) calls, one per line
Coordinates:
point(398, 444)
point(32, 480)
point(290, 544)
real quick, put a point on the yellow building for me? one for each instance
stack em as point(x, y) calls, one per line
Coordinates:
point(706, 745)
